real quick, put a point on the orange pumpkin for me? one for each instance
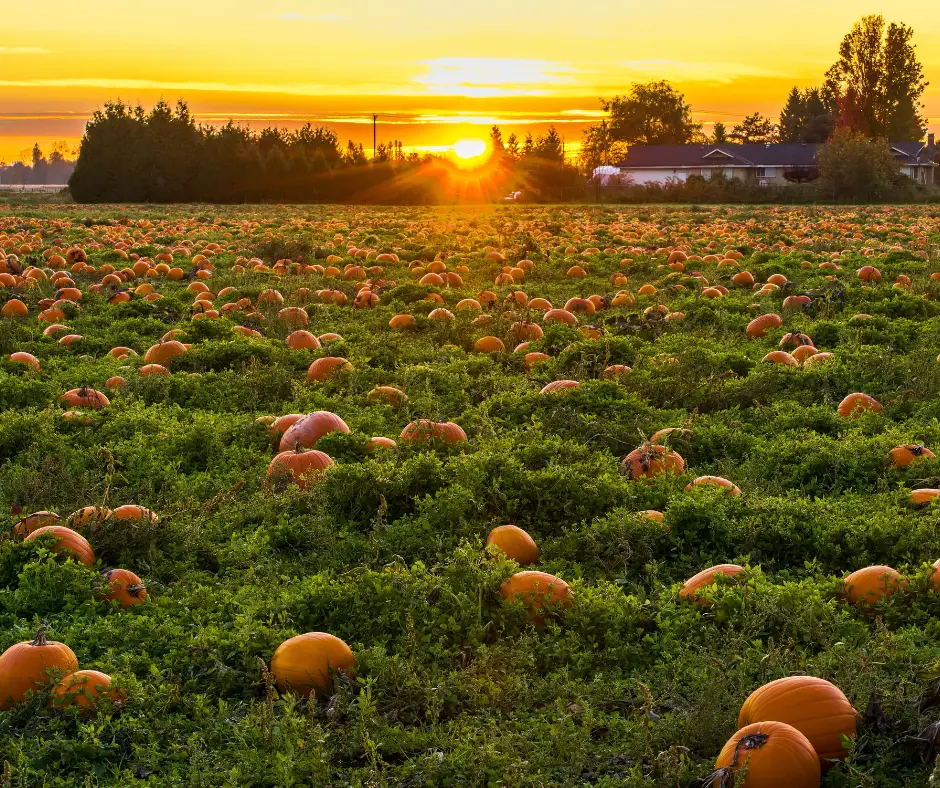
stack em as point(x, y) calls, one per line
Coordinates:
point(25, 358)
point(323, 368)
point(902, 456)
point(651, 460)
point(85, 397)
point(558, 385)
point(130, 511)
point(299, 467)
point(124, 586)
point(706, 578)
point(775, 755)
point(302, 340)
point(759, 326)
point(307, 430)
point(515, 543)
point(714, 481)
point(865, 587)
point(85, 688)
point(26, 666)
point(815, 707)
point(854, 405)
point(539, 592)
point(66, 540)
point(164, 352)
point(389, 394)
point(305, 663)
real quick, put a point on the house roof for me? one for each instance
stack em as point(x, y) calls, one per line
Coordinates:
point(743, 155)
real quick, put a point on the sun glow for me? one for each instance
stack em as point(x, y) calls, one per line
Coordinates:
point(468, 149)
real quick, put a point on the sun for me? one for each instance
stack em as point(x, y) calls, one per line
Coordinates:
point(468, 149)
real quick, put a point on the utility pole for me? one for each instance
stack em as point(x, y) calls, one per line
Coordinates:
point(374, 138)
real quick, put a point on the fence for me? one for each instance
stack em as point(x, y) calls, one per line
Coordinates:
point(28, 188)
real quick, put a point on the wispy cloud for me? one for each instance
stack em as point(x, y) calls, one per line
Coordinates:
point(692, 71)
point(492, 77)
point(23, 51)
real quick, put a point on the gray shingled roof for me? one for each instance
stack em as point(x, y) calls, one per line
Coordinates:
point(746, 155)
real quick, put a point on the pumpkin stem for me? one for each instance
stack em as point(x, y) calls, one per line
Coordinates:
point(753, 741)
point(721, 778)
point(40, 639)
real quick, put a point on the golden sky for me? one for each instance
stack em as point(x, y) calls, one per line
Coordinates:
point(436, 71)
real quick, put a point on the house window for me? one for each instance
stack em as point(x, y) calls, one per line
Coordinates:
point(766, 172)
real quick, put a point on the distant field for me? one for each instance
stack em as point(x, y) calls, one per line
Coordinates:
point(619, 681)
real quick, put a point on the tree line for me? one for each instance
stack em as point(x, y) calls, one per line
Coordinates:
point(130, 155)
point(872, 91)
point(40, 169)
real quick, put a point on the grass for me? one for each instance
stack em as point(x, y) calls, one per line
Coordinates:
point(632, 686)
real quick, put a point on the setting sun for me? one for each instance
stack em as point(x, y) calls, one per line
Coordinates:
point(469, 149)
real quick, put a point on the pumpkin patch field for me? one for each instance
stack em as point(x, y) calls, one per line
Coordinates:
point(506, 496)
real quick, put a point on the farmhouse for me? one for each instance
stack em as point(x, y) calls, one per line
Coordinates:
point(759, 163)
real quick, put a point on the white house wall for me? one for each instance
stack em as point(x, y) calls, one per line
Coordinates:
point(654, 176)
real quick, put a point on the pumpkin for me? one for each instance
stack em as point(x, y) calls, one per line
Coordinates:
point(389, 394)
point(302, 340)
point(865, 587)
point(715, 481)
point(489, 345)
point(380, 442)
point(155, 370)
point(86, 515)
point(66, 540)
point(420, 431)
point(759, 326)
point(281, 424)
point(26, 666)
point(868, 273)
point(402, 321)
point(124, 586)
point(815, 707)
point(781, 357)
point(33, 521)
point(652, 514)
point(854, 405)
point(616, 371)
point(924, 495)
point(775, 755)
point(816, 358)
point(540, 592)
point(164, 352)
point(323, 368)
point(651, 460)
point(14, 308)
point(84, 688)
point(130, 511)
point(305, 663)
point(306, 431)
point(28, 359)
point(902, 456)
point(558, 385)
point(560, 316)
point(706, 578)
point(85, 397)
point(451, 433)
point(298, 467)
point(515, 543)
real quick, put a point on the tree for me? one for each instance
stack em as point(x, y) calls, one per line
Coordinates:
point(550, 146)
point(512, 146)
point(719, 134)
point(653, 113)
point(808, 116)
point(528, 146)
point(496, 140)
point(878, 81)
point(853, 166)
point(755, 128)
